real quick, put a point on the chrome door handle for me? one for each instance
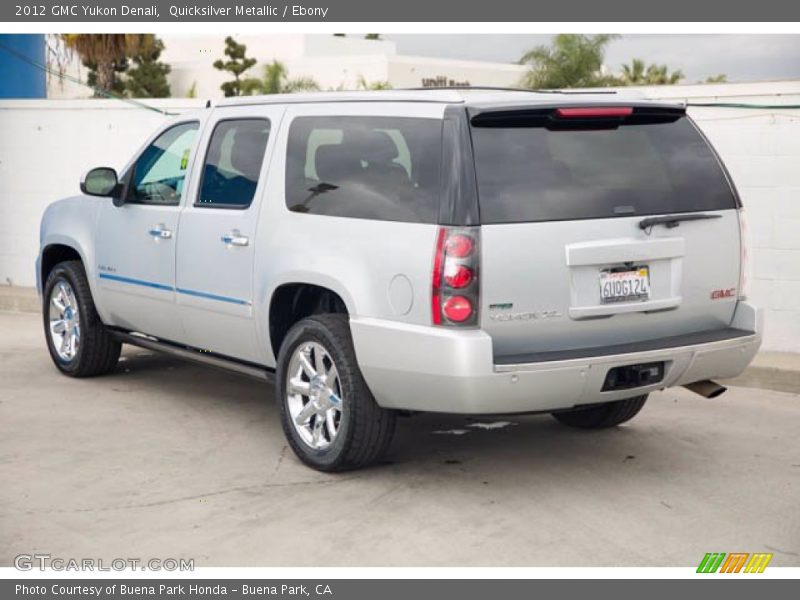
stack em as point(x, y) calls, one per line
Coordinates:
point(160, 232)
point(234, 238)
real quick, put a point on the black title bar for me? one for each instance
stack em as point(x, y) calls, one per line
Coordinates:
point(169, 11)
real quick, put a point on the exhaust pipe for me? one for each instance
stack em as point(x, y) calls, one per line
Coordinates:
point(706, 388)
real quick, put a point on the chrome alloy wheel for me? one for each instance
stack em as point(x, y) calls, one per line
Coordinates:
point(65, 321)
point(314, 395)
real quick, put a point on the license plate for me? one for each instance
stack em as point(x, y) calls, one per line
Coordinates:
point(625, 286)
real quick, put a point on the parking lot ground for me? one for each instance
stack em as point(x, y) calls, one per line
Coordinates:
point(171, 459)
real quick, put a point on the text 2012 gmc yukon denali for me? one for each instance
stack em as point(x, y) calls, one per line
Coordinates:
point(475, 251)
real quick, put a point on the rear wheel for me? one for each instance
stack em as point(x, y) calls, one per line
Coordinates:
point(79, 343)
point(328, 413)
point(602, 416)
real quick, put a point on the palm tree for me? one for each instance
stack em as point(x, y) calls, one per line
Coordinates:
point(105, 51)
point(572, 60)
point(659, 75)
point(633, 74)
point(276, 81)
point(637, 73)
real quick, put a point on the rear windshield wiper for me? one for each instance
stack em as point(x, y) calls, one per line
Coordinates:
point(671, 221)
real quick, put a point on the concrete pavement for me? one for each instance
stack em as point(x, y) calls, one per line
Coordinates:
point(169, 459)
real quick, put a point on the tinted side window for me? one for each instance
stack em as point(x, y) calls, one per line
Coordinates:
point(233, 163)
point(382, 168)
point(542, 174)
point(159, 173)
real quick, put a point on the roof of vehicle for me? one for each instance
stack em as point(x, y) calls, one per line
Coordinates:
point(472, 96)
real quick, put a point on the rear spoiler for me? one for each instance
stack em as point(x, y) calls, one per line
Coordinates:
point(581, 116)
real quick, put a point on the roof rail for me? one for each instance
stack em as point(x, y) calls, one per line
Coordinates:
point(489, 88)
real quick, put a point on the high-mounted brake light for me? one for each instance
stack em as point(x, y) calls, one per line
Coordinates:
point(594, 112)
point(454, 280)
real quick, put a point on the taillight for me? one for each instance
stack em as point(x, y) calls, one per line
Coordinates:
point(744, 256)
point(454, 281)
point(458, 276)
point(459, 245)
point(457, 309)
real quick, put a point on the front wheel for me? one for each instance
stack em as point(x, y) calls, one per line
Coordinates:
point(79, 343)
point(328, 413)
point(601, 416)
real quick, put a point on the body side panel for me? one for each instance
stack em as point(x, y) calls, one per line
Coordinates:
point(361, 260)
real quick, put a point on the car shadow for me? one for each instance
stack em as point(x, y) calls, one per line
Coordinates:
point(452, 443)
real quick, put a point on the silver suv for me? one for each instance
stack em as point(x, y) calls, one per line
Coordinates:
point(475, 252)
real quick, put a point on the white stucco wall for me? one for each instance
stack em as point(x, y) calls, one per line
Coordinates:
point(46, 145)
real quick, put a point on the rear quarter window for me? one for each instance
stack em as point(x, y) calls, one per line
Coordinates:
point(381, 168)
point(530, 174)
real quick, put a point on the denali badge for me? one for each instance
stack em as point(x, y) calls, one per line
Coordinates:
point(522, 316)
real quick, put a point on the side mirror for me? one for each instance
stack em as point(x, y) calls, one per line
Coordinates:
point(101, 181)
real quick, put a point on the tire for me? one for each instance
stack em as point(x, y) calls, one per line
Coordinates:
point(93, 351)
point(354, 432)
point(602, 416)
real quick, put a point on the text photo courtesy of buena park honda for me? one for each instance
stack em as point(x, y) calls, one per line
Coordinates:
point(399, 300)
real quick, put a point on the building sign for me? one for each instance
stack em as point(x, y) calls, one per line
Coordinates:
point(442, 81)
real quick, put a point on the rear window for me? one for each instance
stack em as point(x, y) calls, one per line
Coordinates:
point(382, 168)
point(539, 174)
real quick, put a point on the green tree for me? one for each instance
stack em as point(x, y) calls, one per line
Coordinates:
point(236, 65)
point(372, 36)
point(636, 73)
point(148, 77)
point(276, 80)
point(572, 60)
point(721, 78)
point(105, 55)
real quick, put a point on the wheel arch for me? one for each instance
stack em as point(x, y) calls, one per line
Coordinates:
point(55, 253)
point(56, 249)
point(292, 301)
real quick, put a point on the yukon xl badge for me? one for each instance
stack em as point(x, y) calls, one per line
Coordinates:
point(520, 316)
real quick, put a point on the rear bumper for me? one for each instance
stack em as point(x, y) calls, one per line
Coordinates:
point(439, 370)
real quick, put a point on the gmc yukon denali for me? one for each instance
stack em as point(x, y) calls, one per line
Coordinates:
point(461, 251)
